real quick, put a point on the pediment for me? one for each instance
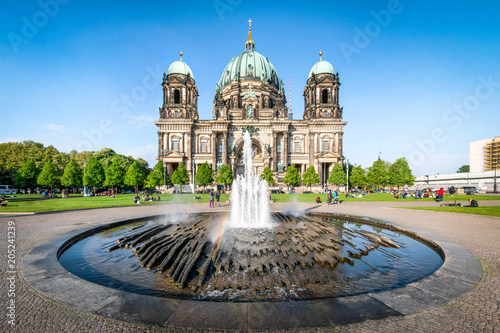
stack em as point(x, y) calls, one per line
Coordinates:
point(174, 154)
point(328, 155)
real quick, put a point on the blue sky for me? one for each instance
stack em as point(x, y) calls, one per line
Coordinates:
point(420, 79)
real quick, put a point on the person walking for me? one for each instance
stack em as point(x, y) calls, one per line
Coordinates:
point(211, 198)
point(217, 198)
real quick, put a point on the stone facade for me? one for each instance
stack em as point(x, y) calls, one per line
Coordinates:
point(250, 96)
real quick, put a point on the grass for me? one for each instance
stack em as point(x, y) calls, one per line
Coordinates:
point(372, 197)
point(485, 210)
point(121, 200)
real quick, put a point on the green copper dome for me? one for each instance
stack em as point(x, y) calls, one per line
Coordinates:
point(180, 67)
point(321, 67)
point(249, 65)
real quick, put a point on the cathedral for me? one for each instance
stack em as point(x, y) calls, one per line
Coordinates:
point(251, 96)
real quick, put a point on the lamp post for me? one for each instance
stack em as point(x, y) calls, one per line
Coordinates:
point(192, 172)
point(347, 183)
point(495, 179)
point(164, 176)
point(84, 174)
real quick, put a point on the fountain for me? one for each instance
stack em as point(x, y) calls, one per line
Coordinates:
point(251, 254)
point(249, 195)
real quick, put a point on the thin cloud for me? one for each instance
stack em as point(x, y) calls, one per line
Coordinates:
point(54, 127)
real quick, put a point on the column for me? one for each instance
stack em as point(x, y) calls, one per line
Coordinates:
point(214, 150)
point(224, 147)
point(336, 143)
point(189, 154)
point(284, 149)
point(311, 148)
point(316, 150)
point(160, 145)
point(341, 153)
point(274, 145)
point(319, 170)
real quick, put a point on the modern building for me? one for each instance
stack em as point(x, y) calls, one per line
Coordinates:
point(251, 96)
point(484, 155)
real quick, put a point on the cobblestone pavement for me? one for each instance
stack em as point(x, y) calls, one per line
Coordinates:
point(475, 311)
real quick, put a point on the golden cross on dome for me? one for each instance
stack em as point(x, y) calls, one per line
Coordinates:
point(250, 23)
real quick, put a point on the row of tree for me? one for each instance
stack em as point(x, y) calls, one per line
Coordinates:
point(380, 174)
point(29, 164)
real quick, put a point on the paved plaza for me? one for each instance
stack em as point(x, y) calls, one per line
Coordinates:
point(473, 310)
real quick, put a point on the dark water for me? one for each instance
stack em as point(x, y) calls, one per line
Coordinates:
point(381, 269)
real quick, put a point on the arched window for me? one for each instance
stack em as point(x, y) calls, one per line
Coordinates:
point(324, 96)
point(177, 96)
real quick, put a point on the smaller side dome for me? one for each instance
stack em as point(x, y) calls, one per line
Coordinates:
point(180, 67)
point(322, 66)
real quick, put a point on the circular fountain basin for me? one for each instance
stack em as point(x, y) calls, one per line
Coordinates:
point(305, 257)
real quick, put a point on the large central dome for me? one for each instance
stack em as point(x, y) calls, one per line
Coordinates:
point(249, 66)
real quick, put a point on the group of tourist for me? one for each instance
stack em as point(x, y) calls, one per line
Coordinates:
point(47, 194)
point(214, 195)
point(146, 197)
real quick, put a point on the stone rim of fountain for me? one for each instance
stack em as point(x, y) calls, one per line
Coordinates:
point(43, 272)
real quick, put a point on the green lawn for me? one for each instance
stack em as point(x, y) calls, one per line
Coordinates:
point(49, 205)
point(484, 210)
point(311, 197)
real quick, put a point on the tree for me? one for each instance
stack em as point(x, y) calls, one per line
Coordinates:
point(399, 173)
point(292, 176)
point(155, 177)
point(93, 174)
point(180, 175)
point(135, 176)
point(13, 154)
point(48, 177)
point(310, 177)
point(115, 176)
point(267, 175)
point(337, 175)
point(225, 176)
point(377, 174)
point(358, 176)
point(73, 175)
point(464, 168)
point(205, 175)
point(26, 175)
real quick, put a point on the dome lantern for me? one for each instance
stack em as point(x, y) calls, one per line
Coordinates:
point(249, 45)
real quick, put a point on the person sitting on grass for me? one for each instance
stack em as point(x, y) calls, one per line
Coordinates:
point(137, 200)
point(473, 203)
point(318, 200)
point(3, 202)
point(157, 198)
